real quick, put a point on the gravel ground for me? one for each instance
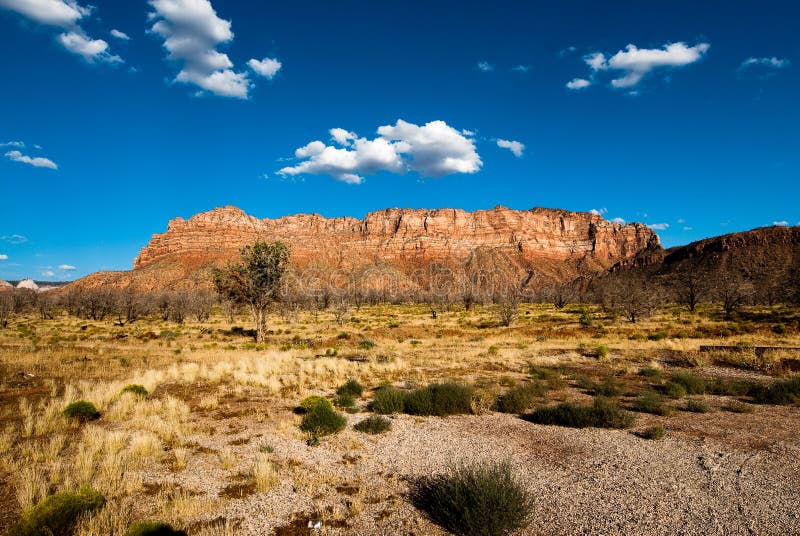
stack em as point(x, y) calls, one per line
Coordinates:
point(717, 473)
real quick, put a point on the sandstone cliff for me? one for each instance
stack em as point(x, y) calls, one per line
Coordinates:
point(553, 245)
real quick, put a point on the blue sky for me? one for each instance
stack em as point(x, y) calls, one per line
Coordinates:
point(682, 115)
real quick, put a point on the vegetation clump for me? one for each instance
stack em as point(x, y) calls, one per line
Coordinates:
point(651, 403)
point(439, 399)
point(323, 420)
point(519, 399)
point(81, 411)
point(310, 403)
point(782, 392)
point(609, 387)
point(153, 528)
point(351, 387)
point(136, 389)
point(479, 500)
point(388, 400)
point(602, 414)
point(692, 383)
point(345, 400)
point(697, 406)
point(653, 433)
point(57, 514)
point(374, 424)
point(737, 406)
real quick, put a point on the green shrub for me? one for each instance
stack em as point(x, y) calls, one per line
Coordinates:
point(603, 414)
point(697, 406)
point(323, 420)
point(675, 390)
point(345, 400)
point(313, 401)
point(651, 372)
point(779, 329)
point(651, 403)
point(439, 399)
point(388, 400)
point(609, 387)
point(153, 528)
point(737, 406)
point(781, 392)
point(57, 514)
point(81, 411)
point(479, 500)
point(351, 387)
point(654, 432)
point(519, 399)
point(366, 344)
point(601, 352)
point(658, 336)
point(585, 318)
point(549, 375)
point(136, 389)
point(729, 387)
point(692, 383)
point(374, 424)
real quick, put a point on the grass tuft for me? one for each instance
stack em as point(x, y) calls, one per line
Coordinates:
point(651, 403)
point(81, 411)
point(136, 389)
point(374, 424)
point(439, 399)
point(603, 414)
point(153, 528)
point(323, 420)
point(388, 400)
point(57, 514)
point(519, 399)
point(352, 388)
point(653, 433)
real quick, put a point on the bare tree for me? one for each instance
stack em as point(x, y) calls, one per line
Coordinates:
point(690, 285)
point(508, 306)
point(731, 290)
point(6, 307)
point(341, 311)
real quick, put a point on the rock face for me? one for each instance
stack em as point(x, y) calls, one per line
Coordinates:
point(555, 245)
point(29, 284)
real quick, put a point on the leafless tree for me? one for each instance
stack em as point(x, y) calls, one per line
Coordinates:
point(731, 290)
point(6, 307)
point(341, 311)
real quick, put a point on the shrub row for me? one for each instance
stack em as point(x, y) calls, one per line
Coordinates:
point(602, 414)
point(439, 399)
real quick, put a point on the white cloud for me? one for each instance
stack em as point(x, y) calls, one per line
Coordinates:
point(192, 31)
point(598, 212)
point(635, 63)
point(18, 144)
point(48, 273)
point(680, 220)
point(772, 63)
point(514, 146)
point(781, 223)
point(687, 228)
point(432, 150)
point(17, 156)
point(658, 226)
point(485, 66)
point(521, 68)
point(3, 257)
point(568, 50)
point(14, 239)
point(65, 14)
point(120, 35)
point(578, 83)
point(66, 267)
point(268, 67)
point(618, 220)
point(90, 49)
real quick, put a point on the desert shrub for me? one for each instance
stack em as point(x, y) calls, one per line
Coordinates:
point(692, 383)
point(311, 402)
point(779, 329)
point(585, 319)
point(344, 400)
point(737, 406)
point(57, 514)
point(603, 414)
point(610, 386)
point(81, 411)
point(323, 420)
point(480, 500)
point(696, 406)
point(549, 375)
point(136, 389)
point(675, 390)
point(439, 399)
point(728, 387)
point(658, 336)
point(651, 403)
point(374, 424)
point(601, 352)
point(651, 372)
point(153, 528)
point(388, 400)
point(519, 399)
point(351, 387)
point(781, 392)
point(654, 432)
point(366, 344)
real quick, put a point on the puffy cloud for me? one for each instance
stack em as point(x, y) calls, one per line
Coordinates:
point(66, 267)
point(658, 226)
point(192, 31)
point(119, 35)
point(578, 83)
point(3, 257)
point(521, 68)
point(635, 63)
point(65, 14)
point(687, 228)
point(268, 67)
point(18, 144)
point(90, 49)
point(62, 13)
point(621, 221)
point(48, 273)
point(17, 156)
point(781, 223)
point(598, 212)
point(485, 66)
point(771, 63)
point(432, 150)
point(514, 146)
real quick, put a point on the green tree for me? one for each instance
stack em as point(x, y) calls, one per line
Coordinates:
point(255, 281)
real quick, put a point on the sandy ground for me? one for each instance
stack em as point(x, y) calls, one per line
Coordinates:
point(716, 473)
